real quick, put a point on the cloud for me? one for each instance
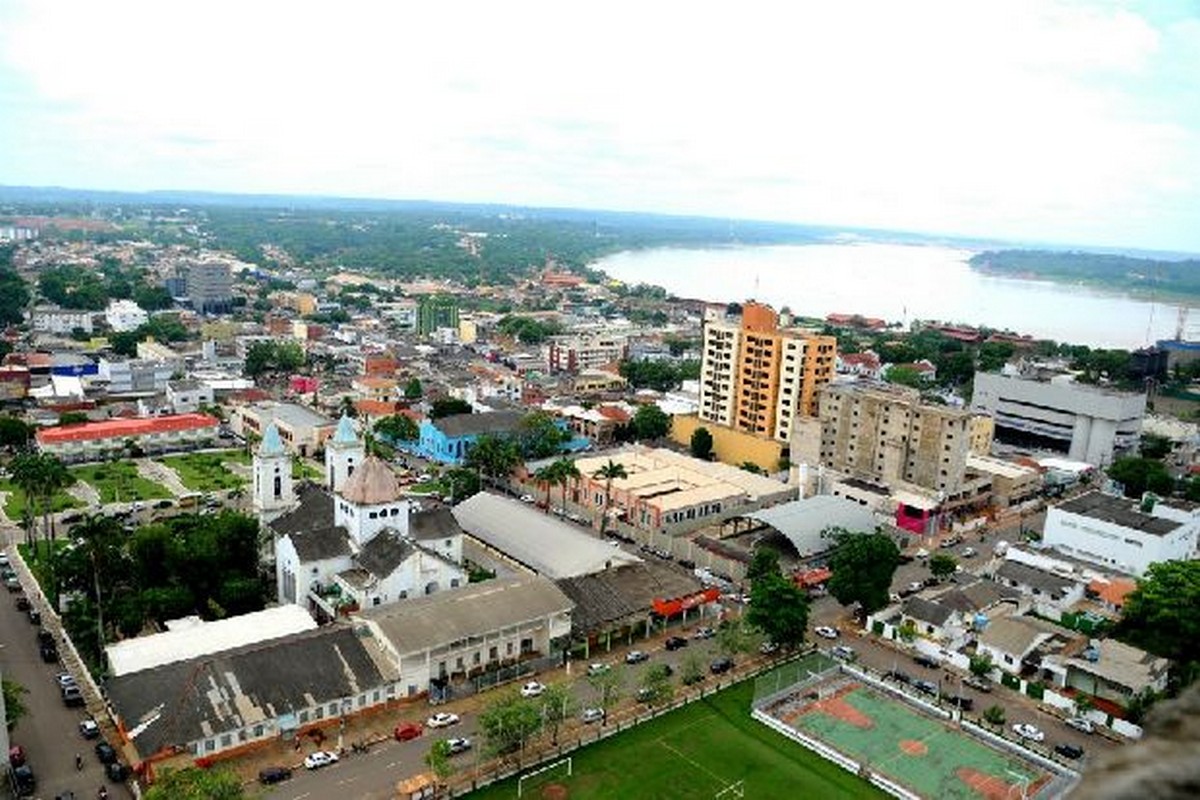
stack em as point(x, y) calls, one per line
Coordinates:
point(1027, 119)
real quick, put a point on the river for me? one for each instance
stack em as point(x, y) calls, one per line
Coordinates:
point(898, 283)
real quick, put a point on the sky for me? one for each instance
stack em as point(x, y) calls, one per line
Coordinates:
point(1029, 120)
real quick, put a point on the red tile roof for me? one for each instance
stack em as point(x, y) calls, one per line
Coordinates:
point(1113, 591)
point(125, 428)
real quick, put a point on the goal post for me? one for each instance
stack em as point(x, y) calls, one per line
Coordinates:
point(541, 770)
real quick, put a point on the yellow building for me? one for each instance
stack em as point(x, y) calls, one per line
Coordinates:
point(756, 377)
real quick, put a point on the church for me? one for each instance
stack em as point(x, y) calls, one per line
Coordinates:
point(354, 542)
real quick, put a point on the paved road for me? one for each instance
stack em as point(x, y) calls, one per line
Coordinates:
point(49, 731)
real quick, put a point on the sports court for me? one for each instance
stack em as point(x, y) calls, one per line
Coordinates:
point(926, 755)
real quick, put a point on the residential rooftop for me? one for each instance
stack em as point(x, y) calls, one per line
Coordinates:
point(1118, 511)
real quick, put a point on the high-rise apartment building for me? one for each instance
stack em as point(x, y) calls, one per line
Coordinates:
point(209, 286)
point(886, 433)
point(756, 376)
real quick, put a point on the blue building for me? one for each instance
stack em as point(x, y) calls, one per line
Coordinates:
point(448, 439)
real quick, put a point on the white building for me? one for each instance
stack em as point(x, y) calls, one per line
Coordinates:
point(1115, 533)
point(343, 452)
point(1086, 422)
point(271, 491)
point(188, 396)
point(123, 316)
point(61, 321)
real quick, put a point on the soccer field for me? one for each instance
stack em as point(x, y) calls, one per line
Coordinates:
point(693, 753)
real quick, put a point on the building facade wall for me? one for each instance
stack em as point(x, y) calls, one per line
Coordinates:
point(1116, 547)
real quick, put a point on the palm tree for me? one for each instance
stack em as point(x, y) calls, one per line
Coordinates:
point(25, 470)
point(55, 478)
point(609, 472)
point(40, 476)
point(566, 473)
point(547, 476)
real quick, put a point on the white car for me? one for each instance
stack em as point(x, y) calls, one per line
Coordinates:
point(1081, 724)
point(458, 745)
point(767, 648)
point(321, 758)
point(1027, 731)
point(591, 715)
point(527, 498)
point(922, 553)
point(825, 632)
point(442, 719)
point(532, 689)
point(598, 668)
point(843, 652)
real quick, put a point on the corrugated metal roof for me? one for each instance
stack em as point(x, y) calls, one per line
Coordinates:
point(802, 521)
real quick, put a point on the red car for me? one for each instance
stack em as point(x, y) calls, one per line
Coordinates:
point(16, 755)
point(407, 731)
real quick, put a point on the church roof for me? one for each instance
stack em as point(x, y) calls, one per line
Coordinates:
point(383, 553)
point(372, 484)
point(345, 433)
point(437, 523)
point(271, 445)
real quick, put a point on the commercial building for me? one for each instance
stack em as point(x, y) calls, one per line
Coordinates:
point(302, 430)
point(1088, 423)
point(123, 316)
point(136, 375)
point(1123, 535)
point(887, 434)
point(756, 376)
point(61, 321)
point(449, 439)
point(209, 286)
point(585, 351)
point(96, 441)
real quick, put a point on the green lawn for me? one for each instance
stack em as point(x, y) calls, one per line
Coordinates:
point(695, 752)
point(207, 472)
point(302, 470)
point(14, 506)
point(118, 481)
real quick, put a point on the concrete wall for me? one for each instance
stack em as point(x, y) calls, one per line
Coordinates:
point(730, 446)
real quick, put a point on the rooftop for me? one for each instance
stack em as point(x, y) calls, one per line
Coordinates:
point(1123, 665)
point(372, 484)
point(543, 543)
point(1019, 635)
point(125, 428)
point(802, 521)
point(1040, 579)
point(423, 623)
point(625, 592)
point(291, 414)
point(1118, 511)
point(477, 424)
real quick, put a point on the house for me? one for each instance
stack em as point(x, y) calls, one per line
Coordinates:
point(1110, 593)
point(123, 316)
point(377, 388)
point(449, 439)
point(1121, 534)
point(97, 441)
point(932, 620)
point(361, 546)
point(444, 639)
point(1019, 645)
point(61, 321)
point(1116, 671)
point(302, 430)
point(865, 364)
point(1051, 594)
point(187, 396)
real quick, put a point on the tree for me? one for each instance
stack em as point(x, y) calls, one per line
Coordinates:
point(701, 444)
point(906, 375)
point(994, 715)
point(732, 637)
point(413, 389)
point(610, 472)
point(14, 293)
point(547, 476)
point(40, 476)
point(650, 422)
point(493, 455)
point(438, 760)
point(14, 434)
point(508, 721)
point(1154, 446)
point(448, 407)
point(656, 687)
point(193, 783)
point(863, 565)
point(565, 473)
point(558, 706)
point(942, 565)
point(779, 608)
point(1160, 615)
point(608, 686)
point(461, 482)
point(539, 436)
point(398, 428)
point(981, 664)
point(72, 418)
point(1139, 475)
point(14, 703)
point(273, 358)
point(763, 564)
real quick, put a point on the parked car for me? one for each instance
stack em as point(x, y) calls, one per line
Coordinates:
point(636, 657)
point(1081, 724)
point(23, 780)
point(443, 719)
point(1068, 750)
point(897, 676)
point(105, 752)
point(23, 603)
point(843, 652)
point(88, 729)
point(961, 702)
point(979, 684)
point(591, 715)
point(721, 665)
point(460, 744)
point(117, 772)
point(768, 648)
point(71, 696)
point(528, 498)
point(12, 583)
point(598, 668)
point(49, 653)
point(1027, 731)
point(645, 695)
point(926, 661)
point(35, 616)
point(704, 633)
point(16, 755)
point(161, 504)
point(825, 632)
point(969, 552)
point(269, 775)
point(953, 541)
point(928, 687)
point(321, 758)
point(45, 638)
point(65, 679)
point(407, 731)
point(675, 642)
point(532, 689)
point(922, 553)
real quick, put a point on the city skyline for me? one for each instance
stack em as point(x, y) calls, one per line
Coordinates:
point(1073, 123)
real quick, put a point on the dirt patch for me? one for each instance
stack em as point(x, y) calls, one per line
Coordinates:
point(839, 708)
point(912, 747)
point(555, 791)
point(987, 786)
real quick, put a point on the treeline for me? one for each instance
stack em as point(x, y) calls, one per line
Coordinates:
point(1103, 269)
point(90, 289)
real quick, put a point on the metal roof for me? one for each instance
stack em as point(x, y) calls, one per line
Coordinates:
point(1118, 511)
point(543, 543)
point(802, 521)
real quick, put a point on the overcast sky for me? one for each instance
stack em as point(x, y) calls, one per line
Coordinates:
point(1040, 120)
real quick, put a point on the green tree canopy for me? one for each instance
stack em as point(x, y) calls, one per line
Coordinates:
point(656, 687)
point(398, 428)
point(539, 436)
point(701, 444)
point(14, 434)
point(279, 358)
point(863, 565)
point(14, 293)
point(650, 422)
point(1140, 475)
point(763, 564)
point(493, 455)
point(448, 407)
point(413, 389)
point(193, 783)
point(508, 722)
point(1160, 615)
point(779, 609)
point(14, 702)
point(942, 565)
